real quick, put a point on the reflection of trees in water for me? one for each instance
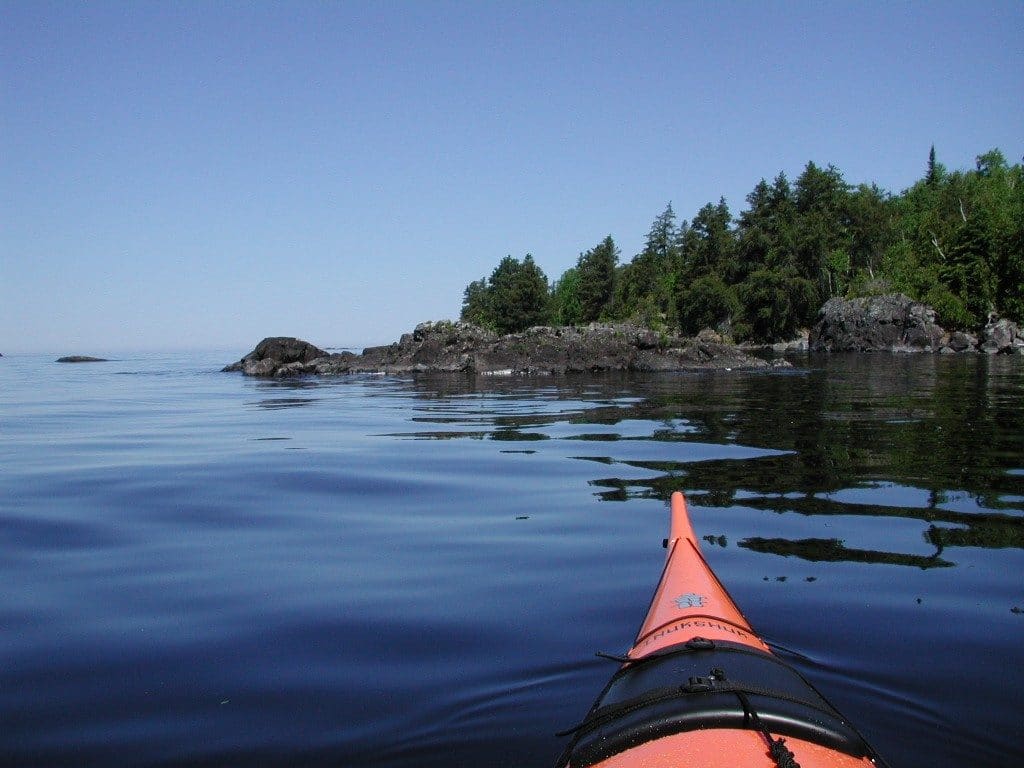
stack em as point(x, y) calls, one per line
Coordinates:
point(833, 550)
point(940, 424)
point(715, 484)
point(992, 533)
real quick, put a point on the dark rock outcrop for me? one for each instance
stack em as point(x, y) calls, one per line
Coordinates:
point(1002, 337)
point(893, 323)
point(961, 341)
point(81, 359)
point(896, 323)
point(460, 347)
point(278, 356)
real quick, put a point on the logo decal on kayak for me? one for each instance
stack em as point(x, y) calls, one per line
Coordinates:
point(690, 600)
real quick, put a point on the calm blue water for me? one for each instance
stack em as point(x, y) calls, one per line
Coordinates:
point(203, 569)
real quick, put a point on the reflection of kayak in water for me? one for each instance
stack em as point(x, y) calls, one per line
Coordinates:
point(699, 689)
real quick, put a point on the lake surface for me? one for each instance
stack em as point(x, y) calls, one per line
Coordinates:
point(203, 569)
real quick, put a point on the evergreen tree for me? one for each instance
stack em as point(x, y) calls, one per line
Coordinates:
point(935, 172)
point(596, 286)
point(967, 271)
point(776, 303)
point(764, 236)
point(514, 298)
point(663, 237)
point(519, 295)
point(707, 302)
point(1010, 275)
point(645, 288)
point(710, 243)
point(821, 227)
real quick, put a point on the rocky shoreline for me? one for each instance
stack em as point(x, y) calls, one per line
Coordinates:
point(891, 323)
point(455, 347)
point(896, 323)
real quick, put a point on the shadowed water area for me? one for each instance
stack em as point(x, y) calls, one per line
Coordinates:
point(204, 569)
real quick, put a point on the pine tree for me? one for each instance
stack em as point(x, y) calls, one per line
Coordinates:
point(519, 295)
point(663, 237)
point(645, 288)
point(710, 242)
point(596, 287)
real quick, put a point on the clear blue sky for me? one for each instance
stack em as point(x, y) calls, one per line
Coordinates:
point(204, 174)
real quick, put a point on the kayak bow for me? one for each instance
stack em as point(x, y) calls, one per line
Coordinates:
point(699, 688)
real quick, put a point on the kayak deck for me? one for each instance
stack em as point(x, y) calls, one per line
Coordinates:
point(700, 688)
point(727, 748)
point(690, 600)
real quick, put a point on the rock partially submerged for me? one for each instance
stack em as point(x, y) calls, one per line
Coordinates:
point(460, 347)
point(897, 323)
point(81, 359)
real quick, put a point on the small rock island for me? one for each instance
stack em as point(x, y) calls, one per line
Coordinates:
point(81, 359)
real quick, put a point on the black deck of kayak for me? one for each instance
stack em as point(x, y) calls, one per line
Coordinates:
point(706, 684)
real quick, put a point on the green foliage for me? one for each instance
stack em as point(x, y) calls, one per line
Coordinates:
point(863, 284)
point(567, 306)
point(776, 303)
point(871, 230)
point(958, 237)
point(515, 297)
point(967, 272)
point(1010, 281)
point(821, 225)
point(476, 304)
point(1003, 205)
point(709, 243)
point(706, 303)
point(950, 310)
point(907, 270)
point(663, 238)
point(596, 286)
point(645, 288)
point(838, 271)
point(936, 172)
point(519, 295)
point(954, 240)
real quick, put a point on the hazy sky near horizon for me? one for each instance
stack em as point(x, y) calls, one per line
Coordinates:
point(204, 174)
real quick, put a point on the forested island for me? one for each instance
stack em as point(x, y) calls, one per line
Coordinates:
point(936, 268)
point(954, 241)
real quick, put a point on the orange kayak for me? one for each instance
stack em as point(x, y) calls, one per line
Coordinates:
point(700, 689)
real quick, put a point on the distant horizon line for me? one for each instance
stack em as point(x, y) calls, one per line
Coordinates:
point(112, 353)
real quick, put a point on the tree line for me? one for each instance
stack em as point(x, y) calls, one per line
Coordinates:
point(954, 240)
